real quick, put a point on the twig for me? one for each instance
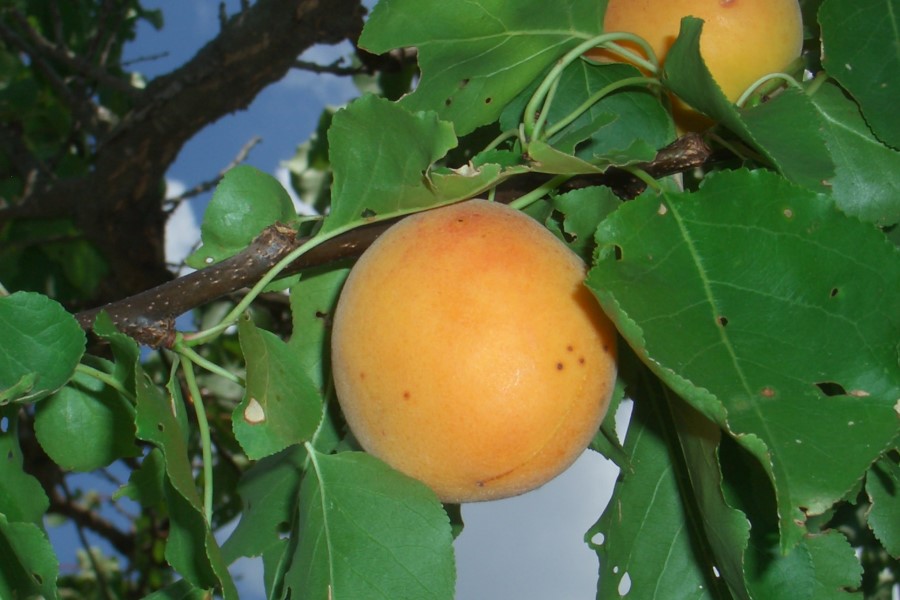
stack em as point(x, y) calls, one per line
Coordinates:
point(149, 317)
point(334, 68)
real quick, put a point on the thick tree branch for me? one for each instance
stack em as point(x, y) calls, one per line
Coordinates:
point(119, 204)
point(149, 317)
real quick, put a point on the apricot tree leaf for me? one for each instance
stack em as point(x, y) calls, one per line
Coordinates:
point(86, 408)
point(245, 202)
point(269, 492)
point(40, 346)
point(281, 406)
point(866, 183)
point(652, 540)
point(780, 322)
point(312, 301)
point(29, 567)
point(870, 70)
point(883, 488)
point(190, 548)
point(786, 129)
point(22, 498)
point(476, 57)
point(381, 155)
point(367, 531)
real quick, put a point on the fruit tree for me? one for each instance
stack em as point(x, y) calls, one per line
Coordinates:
point(513, 234)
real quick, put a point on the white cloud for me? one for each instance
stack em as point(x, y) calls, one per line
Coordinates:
point(182, 228)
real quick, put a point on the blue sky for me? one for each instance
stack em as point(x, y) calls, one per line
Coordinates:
point(529, 547)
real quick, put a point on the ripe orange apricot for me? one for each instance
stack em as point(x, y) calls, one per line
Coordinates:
point(467, 352)
point(742, 40)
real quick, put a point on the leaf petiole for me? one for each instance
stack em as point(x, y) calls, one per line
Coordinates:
point(187, 367)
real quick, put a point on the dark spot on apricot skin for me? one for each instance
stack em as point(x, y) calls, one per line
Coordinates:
point(581, 360)
point(362, 375)
point(406, 394)
point(569, 348)
point(559, 366)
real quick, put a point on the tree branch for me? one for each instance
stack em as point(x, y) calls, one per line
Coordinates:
point(119, 203)
point(149, 317)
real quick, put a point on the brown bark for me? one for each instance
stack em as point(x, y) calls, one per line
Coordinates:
point(118, 205)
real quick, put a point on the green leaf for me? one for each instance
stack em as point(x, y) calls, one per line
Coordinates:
point(245, 202)
point(608, 130)
point(771, 312)
point(582, 212)
point(281, 406)
point(180, 590)
point(650, 539)
point(39, 339)
point(124, 349)
point(22, 498)
point(190, 549)
point(869, 70)
point(145, 484)
point(269, 490)
point(381, 155)
point(786, 129)
point(837, 569)
point(312, 301)
point(883, 488)
point(476, 57)
point(866, 183)
point(29, 567)
point(86, 408)
point(367, 531)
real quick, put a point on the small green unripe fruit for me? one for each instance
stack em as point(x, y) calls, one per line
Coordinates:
point(467, 352)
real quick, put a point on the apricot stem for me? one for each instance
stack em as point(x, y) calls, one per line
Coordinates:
point(551, 80)
point(596, 97)
point(192, 355)
point(762, 81)
point(187, 367)
point(109, 380)
point(539, 192)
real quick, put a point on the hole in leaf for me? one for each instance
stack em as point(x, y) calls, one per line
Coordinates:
point(368, 213)
point(38, 578)
point(618, 251)
point(4, 424)
point(830, 388)
point(598, 538)
point(448, 102)
point(624, 585)
point(723, 321)
point(834, 292)
point(160, 426)
point(488, 100)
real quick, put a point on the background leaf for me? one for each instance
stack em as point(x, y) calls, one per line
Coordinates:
point(367, 531)
point(883, 488)
point(245, 202)
point(281, 406)
point(22, 499)
point(771, 297)
point(29, 567)
point(39, 337)
point(866, 183)
point(190, 548)
point(88, 409)
point(312, 301)
point(476, 57)
point(870, 71)
point(650, 539)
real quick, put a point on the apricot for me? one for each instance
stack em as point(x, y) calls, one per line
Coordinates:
point(742, 40)
point(468, 354)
